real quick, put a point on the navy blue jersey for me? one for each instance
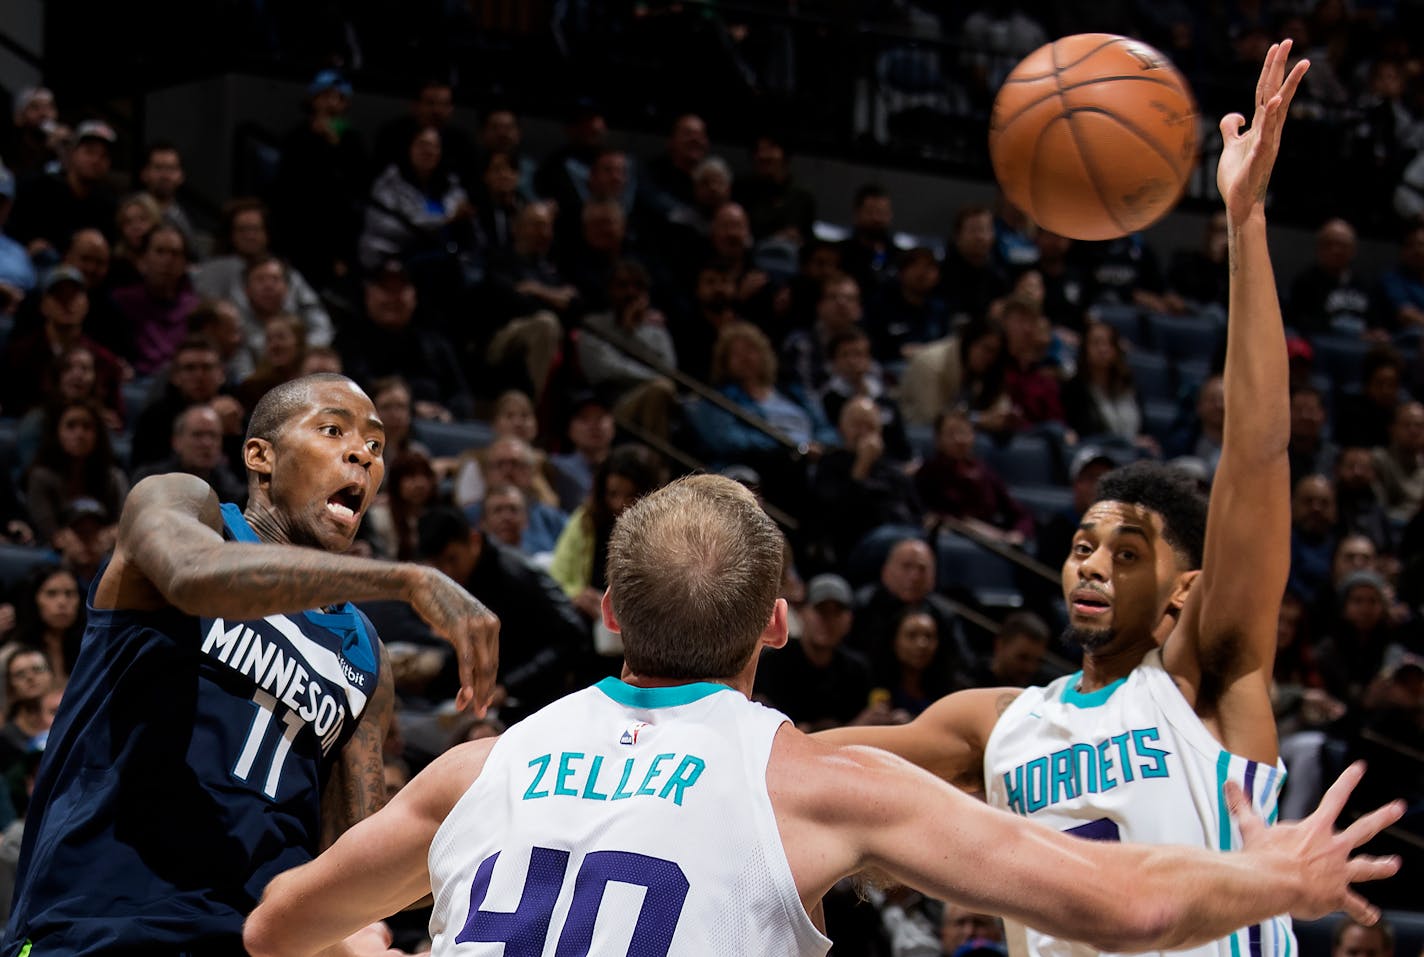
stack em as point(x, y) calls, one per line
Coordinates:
point(183, 772)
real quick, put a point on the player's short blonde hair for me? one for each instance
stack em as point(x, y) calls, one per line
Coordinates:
point(693, 574)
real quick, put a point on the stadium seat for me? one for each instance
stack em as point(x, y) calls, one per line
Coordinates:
point(1183, 337)
point(123, 449)
point(962, 564)
point(1025, 460)
point(1043, 501)
point(1340, 358)
point(1124, 317)
point(137, 393)
point(16, 562)
point(1191, 373)
point(1152, 375)
point(445, 439)
point(1158, 417)
point(922, 439)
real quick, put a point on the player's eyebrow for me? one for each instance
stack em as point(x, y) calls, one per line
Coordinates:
point(1132, 530)
point(332, 410)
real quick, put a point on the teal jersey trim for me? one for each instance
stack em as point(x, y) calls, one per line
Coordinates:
point(669, 697)
point(1089, 699)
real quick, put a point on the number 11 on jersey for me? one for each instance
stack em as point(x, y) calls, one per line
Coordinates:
point(265, 706)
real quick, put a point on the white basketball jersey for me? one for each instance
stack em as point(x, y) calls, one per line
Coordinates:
point(622, 822)
point(1129, 762)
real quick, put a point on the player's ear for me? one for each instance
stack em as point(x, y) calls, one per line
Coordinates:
point(777, 631)
point(1181, 589)
point(605, 605)
point(257, 456)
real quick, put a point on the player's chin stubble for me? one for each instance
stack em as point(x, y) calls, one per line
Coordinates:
point(1089, 639)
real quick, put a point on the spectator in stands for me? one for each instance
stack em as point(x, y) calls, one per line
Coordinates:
point(419, 213)
point(1030, 385)
point(1055, 536)
point(1399, 300)
point(88, 252)
point(911, 313)
point(1399, 467)
point(529, 300)
point(1197, 278)
point(504, 515)
point(1200, 437)
point(386, 341)
point(218, 321)
point(500, 133)
point(198, 450)
point(50, 620)
point(714, 308)
point(31, 361)
point(1310, 451)
point(136, 217)
point(907, 579)
point(1328, 296)
point(157, 307)
point(510, 460)
point(969, 278)
point(242, 244)
point(1101, 400)
point(670, 173)
point(858, 487)
point(1017, 661)
point(729, 248)
point(869, 254)
point(267, 291)
point(161, 176)
point(513, 417)
point(962, 925)
point(320, 184)
point(995, 40)
point(284, 349)
point(711, 190)
point(195, 377)
point(1360, 501)
point(432, 109)
point(854, 374)
point(629, 473)
point(775, 205)
point(49, 208)
point(1350, 938)
point(1066, 292)
point(542, 638)
point(636, 391)
point(601, 245)
point(1353, 651)
point(1312, 535)
point(320, 359)
point(590, 439)
point(75, 460)
point(564, 173)
point(17, 273)
point(37, 137)
point(396, 410)
point(412, 489)
point(497, 203)
point(1362, 417)
point(816, 681)
point(806, 352)
point(72, 378)
point(1126, 271)
point(916, 667)
point(956, 483)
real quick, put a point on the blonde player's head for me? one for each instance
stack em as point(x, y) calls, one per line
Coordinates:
point(693, 574)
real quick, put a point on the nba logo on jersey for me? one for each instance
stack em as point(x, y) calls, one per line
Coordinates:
point(630, 733)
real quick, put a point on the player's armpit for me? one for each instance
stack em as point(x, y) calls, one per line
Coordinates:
point(356, 788)
point(947, 739)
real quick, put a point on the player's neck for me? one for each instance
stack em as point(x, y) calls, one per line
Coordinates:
point(1106, 665)
point(646, 681)
point(270, 524)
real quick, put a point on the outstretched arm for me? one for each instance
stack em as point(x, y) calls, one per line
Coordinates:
point(372, 871)
point(1224, 647)
point(877, 812)
point(171, 552)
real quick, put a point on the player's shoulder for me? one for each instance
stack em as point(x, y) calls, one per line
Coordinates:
point(970, 714)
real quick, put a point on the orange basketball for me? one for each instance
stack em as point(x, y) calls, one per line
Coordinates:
point(1094, 136)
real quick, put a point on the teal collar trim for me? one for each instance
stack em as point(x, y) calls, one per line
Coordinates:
point(668, 697)
point(1090, 699)
point(236, 523)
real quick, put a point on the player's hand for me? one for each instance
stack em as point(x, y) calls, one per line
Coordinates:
point(1320, 855)
point(471, 628)
point(1246, 158)
point(373, 940)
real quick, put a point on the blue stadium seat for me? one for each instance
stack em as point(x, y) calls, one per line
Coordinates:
point(1152, 375)
point(1184, 337)
point(1125, 318)
point(16, 562)
point(123, 449)
point(963, 564)
point(1340, 358)
point(451, 438)
point(9, 454)
point(1157, 418)
point(1043, 501)
point(1191, 373)
point(921, 438)
point(137, 393)
point(1025, 460)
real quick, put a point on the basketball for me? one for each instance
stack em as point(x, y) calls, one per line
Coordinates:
point(1094, 136)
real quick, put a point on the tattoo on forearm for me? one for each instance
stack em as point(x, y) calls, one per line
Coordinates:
point(357, 788)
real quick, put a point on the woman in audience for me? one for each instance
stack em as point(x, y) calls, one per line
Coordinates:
point(412, 489)
point(1100, 401)
point(75, 460)
point(137, 215)
point(912, 669)
point(73, 378)
point(514, 416)
point(981, 388)
point(284, 346)
point(50, 620)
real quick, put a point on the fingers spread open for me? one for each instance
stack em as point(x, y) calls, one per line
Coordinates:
point(1339, 792)
point(1368, 868)
point(1231, 125)
point(1361, 910)
point(1372, 823)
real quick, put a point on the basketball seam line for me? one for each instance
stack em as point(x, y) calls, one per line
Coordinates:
point(1003, 124)
point(1067, 117)
point(1135, 131)
point(1067, 66)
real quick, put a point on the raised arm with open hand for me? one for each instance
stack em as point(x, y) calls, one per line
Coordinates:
point(473, 630)
point(1319, 852)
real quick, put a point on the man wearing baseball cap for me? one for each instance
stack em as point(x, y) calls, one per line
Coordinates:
point(50, 208)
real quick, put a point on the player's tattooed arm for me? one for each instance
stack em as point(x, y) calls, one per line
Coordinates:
point(356, 787)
